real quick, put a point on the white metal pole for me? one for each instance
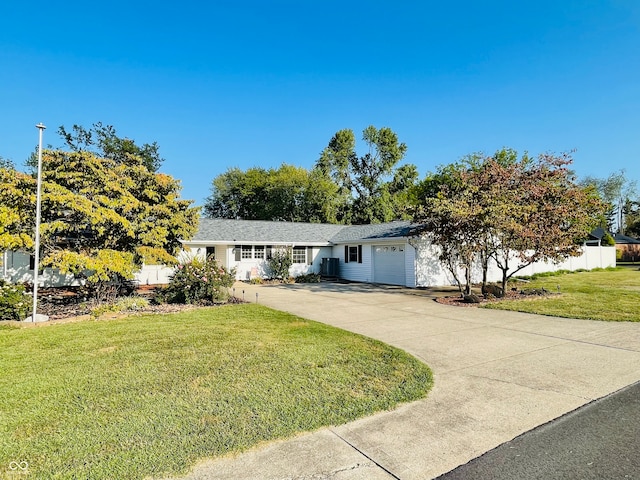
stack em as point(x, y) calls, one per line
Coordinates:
point(36, 262)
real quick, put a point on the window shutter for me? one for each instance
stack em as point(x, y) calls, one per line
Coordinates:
point(346, 254)
point(359, 253)
point(268, 252)
point(309, 255)
point(238, 249)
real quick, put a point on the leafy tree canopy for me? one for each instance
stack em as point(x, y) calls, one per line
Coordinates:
point(618, 192)
point(103, 142)
point(632, 218)
point(372, 187)
point(98, 214)
point(341, 188)
point(287, 193)
point(514, 210)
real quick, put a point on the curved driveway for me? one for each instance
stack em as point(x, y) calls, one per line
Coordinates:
point(497, 374)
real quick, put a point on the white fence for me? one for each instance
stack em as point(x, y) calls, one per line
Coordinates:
point(154, 275)
point(15, 269)
point(592, 257)
point(430, 272)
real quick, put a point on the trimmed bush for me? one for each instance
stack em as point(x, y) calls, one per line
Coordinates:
point(308, 278)
point(280, 263)
point(199, 282)
point(608, 240)
point(14, 302)
point(125, 304)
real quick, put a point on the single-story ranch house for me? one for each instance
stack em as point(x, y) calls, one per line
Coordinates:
point(387, 253)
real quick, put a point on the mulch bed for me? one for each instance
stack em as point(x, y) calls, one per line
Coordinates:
point(61, 303)
point(67, 302)
point(458, 300)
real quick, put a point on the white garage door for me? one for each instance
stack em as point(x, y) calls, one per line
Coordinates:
point(388, 264)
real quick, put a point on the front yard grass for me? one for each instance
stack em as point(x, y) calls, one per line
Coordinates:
point(612, 295)
point(148, 396)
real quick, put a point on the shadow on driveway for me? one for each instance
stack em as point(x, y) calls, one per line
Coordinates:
point(357, 287)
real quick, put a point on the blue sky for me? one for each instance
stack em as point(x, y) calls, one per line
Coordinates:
point(222, 84)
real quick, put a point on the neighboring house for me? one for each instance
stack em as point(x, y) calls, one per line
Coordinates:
point(628, 248)
point(596, 237)
point(388, 253)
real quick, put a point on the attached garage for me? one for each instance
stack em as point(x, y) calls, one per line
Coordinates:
point(389, 264)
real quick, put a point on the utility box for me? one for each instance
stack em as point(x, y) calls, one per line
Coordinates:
point(329, 267)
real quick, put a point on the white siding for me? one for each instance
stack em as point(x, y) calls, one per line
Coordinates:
point(354, 271)
point(248, 268)
point(410, 266)
point(429, 271)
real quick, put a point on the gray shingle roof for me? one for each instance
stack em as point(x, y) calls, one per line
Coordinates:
point(624, 239)
point(378, 231)
point(254, 231)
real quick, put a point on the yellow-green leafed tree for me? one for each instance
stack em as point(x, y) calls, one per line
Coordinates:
point(17, 212)
point(99, 215)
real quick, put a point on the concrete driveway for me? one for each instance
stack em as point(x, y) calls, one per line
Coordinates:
point(497, 375)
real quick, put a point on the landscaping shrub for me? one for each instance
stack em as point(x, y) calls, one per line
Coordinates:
point(125, 304)
point(14, 302)
point(132, 303)
point(308, 278)
point(280, 263)
point(199, 282)
point(608, 240)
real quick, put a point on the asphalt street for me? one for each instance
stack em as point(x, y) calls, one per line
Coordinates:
point(600, 440)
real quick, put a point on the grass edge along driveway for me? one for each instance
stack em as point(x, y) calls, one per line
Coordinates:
point(151, 395)
point(609, 294)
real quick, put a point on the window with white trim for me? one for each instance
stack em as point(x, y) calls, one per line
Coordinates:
point(299, 255)
point(258, 251)
point(247, 252)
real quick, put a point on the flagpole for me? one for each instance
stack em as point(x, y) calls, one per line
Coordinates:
point(36, 262)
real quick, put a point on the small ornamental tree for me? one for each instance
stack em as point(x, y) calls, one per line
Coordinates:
point(280, 263)
point(514, 211)
point(101, 218)
point(199, 281)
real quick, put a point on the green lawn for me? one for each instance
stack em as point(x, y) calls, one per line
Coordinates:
point(148, 396)
point(612, 295)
